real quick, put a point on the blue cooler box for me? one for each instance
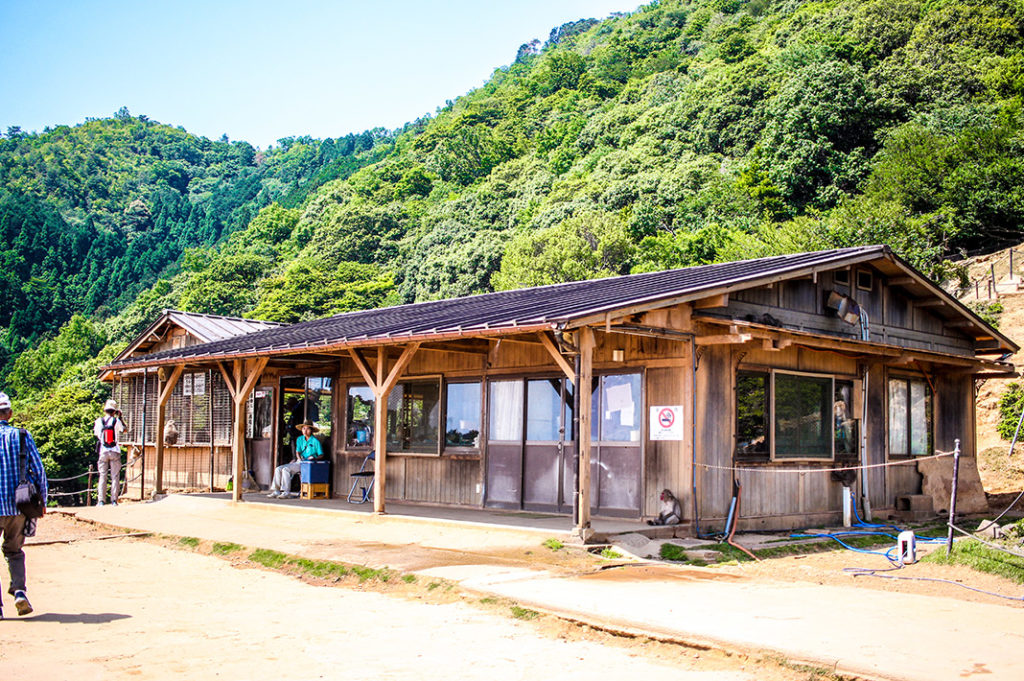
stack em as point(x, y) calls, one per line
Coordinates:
point(314, 472)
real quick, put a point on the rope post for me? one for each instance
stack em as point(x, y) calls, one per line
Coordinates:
point(88, 488)
point(977, 290)
point(952, 496)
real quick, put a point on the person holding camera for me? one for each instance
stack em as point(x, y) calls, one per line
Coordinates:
point(108, 429)
point(18, 453)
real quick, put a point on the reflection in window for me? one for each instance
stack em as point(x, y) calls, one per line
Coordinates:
point(359, 411)
point(414, 416)
point(752, 414)
point(803, 408)
point(462, 420)
point(845, 429)
point(910, 417)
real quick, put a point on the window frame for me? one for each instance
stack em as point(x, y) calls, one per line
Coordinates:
point(458, 449)
point(771, 403)
point(908, 379)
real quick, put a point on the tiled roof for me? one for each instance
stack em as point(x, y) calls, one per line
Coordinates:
point(217, 327)
point(542, 307)
point(522, 310)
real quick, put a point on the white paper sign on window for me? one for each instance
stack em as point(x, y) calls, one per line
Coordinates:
point(199, 384)
point(186, 385)
point(667, 423)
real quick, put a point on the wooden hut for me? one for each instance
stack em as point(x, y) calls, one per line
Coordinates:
point(772, 372)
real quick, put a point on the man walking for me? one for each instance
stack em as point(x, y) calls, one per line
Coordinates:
point(15, 443)
point(108, 429)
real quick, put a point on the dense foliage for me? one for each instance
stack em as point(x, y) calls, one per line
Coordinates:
point(93, 215)
point(687, 132)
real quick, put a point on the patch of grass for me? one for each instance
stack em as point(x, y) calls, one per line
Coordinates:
point(731, 553)
point(524, 613)
point(980, 557)
point(553, 544)
point(365, 573)
point(267, 558)
point(610, 553)
point(487, 600)
point(224, 548)
point(319, 568)
point(190, 542)
point(433, 585)
point(409, 579)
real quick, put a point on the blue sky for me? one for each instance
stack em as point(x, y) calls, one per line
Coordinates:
point(259, 70)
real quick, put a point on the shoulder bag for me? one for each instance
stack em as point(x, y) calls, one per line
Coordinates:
point(26, 494)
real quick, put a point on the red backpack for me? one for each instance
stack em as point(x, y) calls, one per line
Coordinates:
point(108, 436)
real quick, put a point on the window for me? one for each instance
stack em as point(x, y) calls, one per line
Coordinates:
point(841, 277)
point(865, 280)
point(462, 415)
point(359, 416)
point(910, 417)
point(414, 409)
point(803, 408)
point(782, 415)
point(615, 406)
point(752, 414)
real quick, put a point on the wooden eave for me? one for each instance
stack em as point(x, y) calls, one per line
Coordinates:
point(867, 349)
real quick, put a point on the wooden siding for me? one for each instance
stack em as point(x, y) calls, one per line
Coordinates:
point(668, 463)
point(893, 319)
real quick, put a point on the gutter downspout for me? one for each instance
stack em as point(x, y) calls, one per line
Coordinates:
point(865, 501)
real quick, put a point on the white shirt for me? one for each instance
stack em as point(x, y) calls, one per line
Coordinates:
point(97, 430)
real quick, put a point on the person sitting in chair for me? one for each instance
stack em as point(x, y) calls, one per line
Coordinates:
point(307, 448)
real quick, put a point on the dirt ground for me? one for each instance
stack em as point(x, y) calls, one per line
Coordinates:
point(150, 608)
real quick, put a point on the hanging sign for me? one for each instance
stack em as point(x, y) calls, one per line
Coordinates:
point(667, 423)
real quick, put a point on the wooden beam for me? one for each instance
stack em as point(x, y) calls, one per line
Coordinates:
point(396, 371)
point(931, 302)
point(161, 417)
point(721, 300)
point(902, 281)
point(560, 359)
point(585, 342)
point(364, 367)
point(724, 339)
point(228, 380)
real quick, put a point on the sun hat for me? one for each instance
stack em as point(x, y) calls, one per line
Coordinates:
point(111, 405)
point(309, 423)
point(5, 401)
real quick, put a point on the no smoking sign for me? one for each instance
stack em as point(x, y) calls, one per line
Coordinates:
point(667, 423)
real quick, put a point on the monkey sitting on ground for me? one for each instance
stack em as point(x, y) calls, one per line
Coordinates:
point(671, 512)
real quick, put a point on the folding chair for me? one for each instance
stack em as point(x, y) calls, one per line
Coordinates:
point(362, 481)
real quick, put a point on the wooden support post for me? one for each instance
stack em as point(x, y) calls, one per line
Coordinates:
point(585, 342)
point(380, 434)
point(381, 386)
point(246, 374)
point(164, 391)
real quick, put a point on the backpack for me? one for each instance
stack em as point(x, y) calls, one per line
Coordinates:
point(108, 436)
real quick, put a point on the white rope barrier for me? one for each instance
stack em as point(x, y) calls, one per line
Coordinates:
point(766, 469)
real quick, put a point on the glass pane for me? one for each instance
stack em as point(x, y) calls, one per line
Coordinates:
point(620, 408)
point(897, 417)
point(318, 404)
point(543, 409)
point(506, 422)
point(751, 414)
point(803, 408)
point(263, 413)
point(462, 425)
point(359, 411)
point(413, 416)
point(920, 419)
point(845, 420)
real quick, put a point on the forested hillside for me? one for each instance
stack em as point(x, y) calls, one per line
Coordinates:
point(92, 215)
point(683, 133)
